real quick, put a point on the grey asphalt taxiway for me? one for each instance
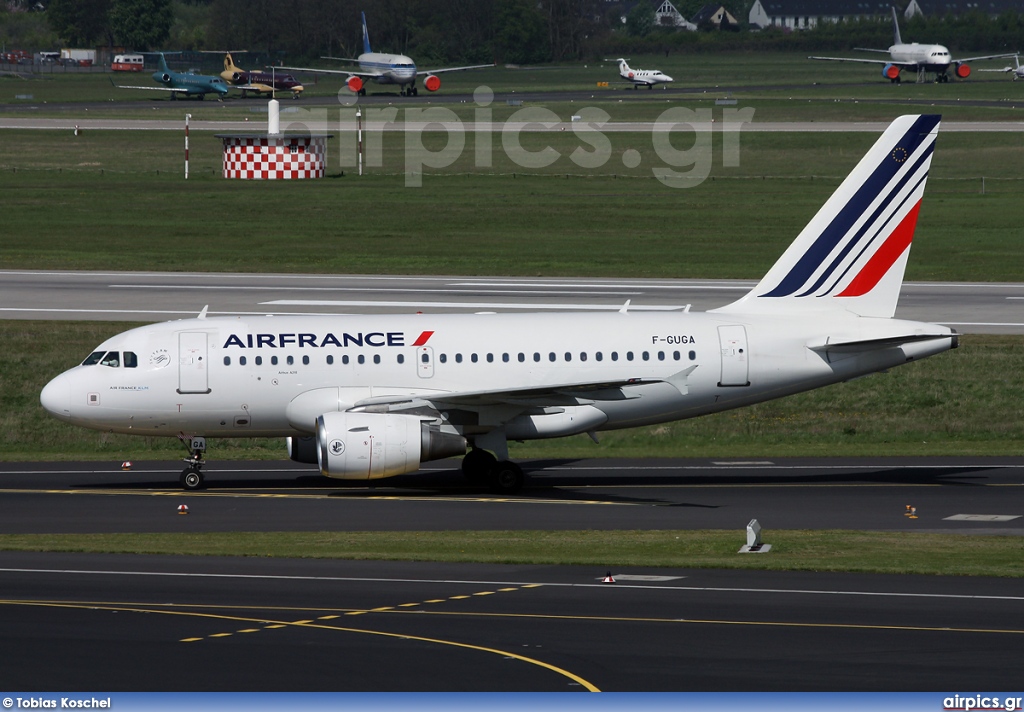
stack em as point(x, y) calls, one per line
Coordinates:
point(122, 622)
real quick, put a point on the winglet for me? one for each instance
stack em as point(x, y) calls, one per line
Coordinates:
point(202, 314)
point(625, 307)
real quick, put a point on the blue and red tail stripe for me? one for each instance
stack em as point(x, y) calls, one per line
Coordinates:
point(879, 182)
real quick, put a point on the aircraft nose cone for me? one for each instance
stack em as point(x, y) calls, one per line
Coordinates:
point(668, 78)
point(56, 397)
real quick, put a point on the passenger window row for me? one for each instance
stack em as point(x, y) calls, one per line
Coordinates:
point(474, 358)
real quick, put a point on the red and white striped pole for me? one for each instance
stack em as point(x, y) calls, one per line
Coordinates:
point(187, 117)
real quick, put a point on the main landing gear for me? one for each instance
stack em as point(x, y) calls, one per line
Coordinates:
point(192, 476)
point(411, 91)
point(505, 477)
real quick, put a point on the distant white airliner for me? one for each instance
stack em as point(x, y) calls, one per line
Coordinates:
point(386, 69)
point(922, 58)
point(372, 396)
point(642, 77)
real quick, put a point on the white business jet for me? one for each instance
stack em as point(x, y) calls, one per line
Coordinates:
point(921, 58)
point(386, 69)
point(642, 77)
point(371, 396)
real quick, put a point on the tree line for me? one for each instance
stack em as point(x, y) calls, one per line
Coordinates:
point(456, 31)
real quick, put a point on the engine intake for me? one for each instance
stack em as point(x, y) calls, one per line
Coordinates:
point(432, 82)
point(368, 446)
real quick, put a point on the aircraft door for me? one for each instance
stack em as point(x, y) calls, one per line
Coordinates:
point(193, 362)
point(735, 362)
point(425, 362)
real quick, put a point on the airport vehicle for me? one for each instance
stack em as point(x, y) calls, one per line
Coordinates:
point(372, 396)
point(128, 63)
point(259, 82)
point(386, 69)
point(921, 58)
point(183, 83)
point(642, 77)
point(1017, 71)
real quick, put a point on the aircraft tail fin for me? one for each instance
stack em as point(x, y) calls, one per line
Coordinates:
point(163, 62)
point(366, 36)
point(852, 255)
point(895, 28)
point(229, 63)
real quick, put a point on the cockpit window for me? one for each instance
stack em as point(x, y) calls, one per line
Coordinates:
point(112, 359)
point(94, 358)
point(130, 359)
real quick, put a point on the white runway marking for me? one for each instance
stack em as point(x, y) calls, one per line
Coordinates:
point(470, 582)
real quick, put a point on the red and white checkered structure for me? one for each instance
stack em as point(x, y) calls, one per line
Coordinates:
point(274, 157)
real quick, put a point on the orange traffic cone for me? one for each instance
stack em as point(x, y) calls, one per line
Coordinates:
point(126, 465)
point(608, 578)
point(182, 509)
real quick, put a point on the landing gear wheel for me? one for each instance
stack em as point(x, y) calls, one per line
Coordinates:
point(507, 478)
point(191, 479)
point(415, 91)
point(477, 465)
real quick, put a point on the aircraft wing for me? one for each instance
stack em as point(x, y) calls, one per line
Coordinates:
point(346, 72)
point(990, 56)
point(455, 69)
point(556, 394)
point(865, 61)
point(178, 90)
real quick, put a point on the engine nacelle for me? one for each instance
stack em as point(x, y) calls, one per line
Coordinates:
point(432, 82)
point(962, 70)
point(891, 72)
point(165, 78)
point(368, 446)
point(355, 84)
point(302, 449)
point(236, 77)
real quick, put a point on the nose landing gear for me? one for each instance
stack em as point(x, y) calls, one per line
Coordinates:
point(192, 476)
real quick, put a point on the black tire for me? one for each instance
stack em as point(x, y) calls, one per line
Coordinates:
point(477, 465)
point(191, 479)
point(507, 478)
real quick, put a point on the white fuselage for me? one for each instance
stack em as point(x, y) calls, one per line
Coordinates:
point(931, 57)
point(388, 68)
point(228, 377)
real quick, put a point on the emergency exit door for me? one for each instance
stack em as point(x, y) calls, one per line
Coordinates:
point(735, 359)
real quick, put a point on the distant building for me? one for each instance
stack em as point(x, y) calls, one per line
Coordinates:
point(803, 14)
point(715, 16)
point(665, 14)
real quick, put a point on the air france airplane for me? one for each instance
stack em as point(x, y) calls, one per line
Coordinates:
point(642, 77)
point(371, 396)
point(386, 69)
point(921, 58)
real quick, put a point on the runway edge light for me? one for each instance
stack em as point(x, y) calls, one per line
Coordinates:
point(754, 545)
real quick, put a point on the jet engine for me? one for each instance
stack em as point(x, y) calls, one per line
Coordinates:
point(236, 77)
point(368, 446)
point(432, 82)
point(355, 84)
point(962, 70)
point(891, 72)
point(165, 78)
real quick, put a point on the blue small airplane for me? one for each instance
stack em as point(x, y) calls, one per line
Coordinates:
point(185, 83)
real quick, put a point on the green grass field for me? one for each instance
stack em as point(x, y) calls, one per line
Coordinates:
point(829, 550)
point(117, 200)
